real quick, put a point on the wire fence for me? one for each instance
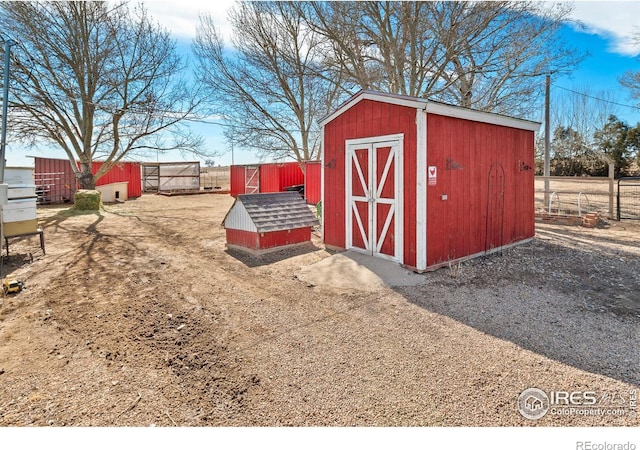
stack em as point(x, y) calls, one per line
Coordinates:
point(628, 198)
point(576, 195)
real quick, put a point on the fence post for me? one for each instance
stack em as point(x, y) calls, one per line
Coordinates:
point(618, 200)
point(611, 182)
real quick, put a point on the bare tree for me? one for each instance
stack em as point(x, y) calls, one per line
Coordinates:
point(98, 79)
point(577, 114)
point(631, 80)
point(484, 55)
point(377, 45)
point(386, 46)
point(267, 87)
point(584, 109)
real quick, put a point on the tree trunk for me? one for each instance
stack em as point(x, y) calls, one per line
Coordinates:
point(85, 177)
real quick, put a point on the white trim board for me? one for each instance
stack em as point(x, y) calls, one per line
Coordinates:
point(421, 189)
point(371, 195)
point(322, 215)
point(432, 107)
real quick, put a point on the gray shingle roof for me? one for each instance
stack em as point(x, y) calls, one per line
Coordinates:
point(278, 211)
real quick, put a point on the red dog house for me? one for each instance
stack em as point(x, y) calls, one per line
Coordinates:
point(424, 183)
point(258, 223)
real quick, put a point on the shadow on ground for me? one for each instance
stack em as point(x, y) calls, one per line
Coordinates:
point(537, 295)
point(588, 322)
point(250, 260)
point(54, 216)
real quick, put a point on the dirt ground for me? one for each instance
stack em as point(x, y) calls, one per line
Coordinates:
point(138, 316)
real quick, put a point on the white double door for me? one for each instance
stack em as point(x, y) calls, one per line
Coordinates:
point(374, 196)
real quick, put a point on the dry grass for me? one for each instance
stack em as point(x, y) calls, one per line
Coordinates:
point(574, 195)
point(579, 195)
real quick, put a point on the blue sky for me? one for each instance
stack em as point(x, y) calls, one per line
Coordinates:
point(605, 33)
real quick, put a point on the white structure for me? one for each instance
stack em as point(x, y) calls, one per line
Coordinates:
point(114, 192)
point(19, 215)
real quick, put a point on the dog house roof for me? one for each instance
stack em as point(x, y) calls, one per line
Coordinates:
point(273, 211)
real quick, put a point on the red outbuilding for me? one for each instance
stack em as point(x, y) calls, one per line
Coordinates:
point(424, 183)
point(56, 181)
point(277, 177)
point(265, 177)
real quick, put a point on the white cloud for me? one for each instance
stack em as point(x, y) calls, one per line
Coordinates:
point(181, 17)
point(616, 21)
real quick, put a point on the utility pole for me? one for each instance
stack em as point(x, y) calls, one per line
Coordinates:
point(4, 188)
point(547, 140)
point(5, 102)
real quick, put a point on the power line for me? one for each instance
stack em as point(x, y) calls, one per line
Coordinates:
point(597, 98)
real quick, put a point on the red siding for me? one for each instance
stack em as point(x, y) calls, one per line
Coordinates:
point(368, 119)
point(260, 241)
point(126, 171)
point(482, 200)
point(312, 182)
point(56, 177)
point(291, 174)
point(270, 178)
point(242, 238)
point(285, 237)
point(490, 201)
point(60, 178)
point(274, 177)
point(237, 182)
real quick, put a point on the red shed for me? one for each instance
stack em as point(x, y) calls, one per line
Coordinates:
point(259, 223)
point(265, 177)
point(424, 183)
point(123, 171)
point(56, 181)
